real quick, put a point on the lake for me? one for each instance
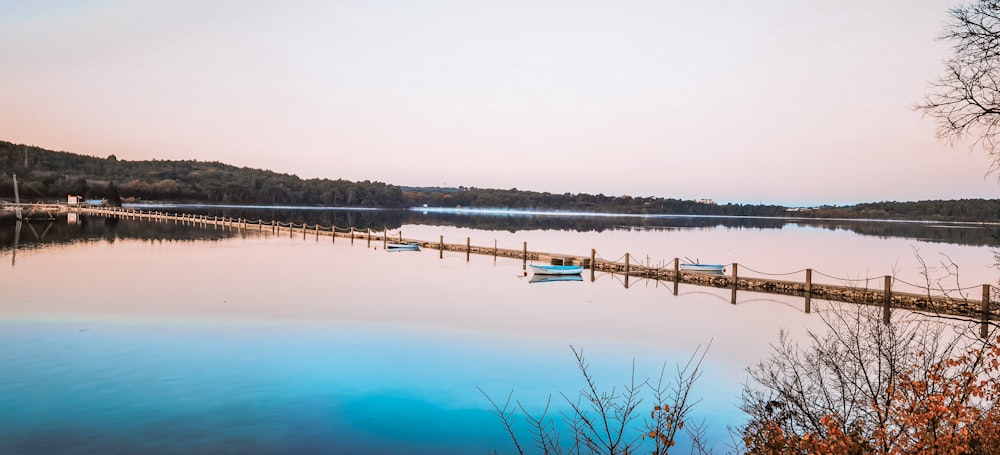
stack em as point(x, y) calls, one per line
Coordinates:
point(126, 336)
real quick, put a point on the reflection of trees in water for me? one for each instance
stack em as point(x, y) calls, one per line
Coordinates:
point(360, 219)
point(962, 235)
point(377, 220)
point(37, 234)
point(967, 234)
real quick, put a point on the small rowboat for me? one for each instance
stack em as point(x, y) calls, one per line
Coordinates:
point(703, 268)
point(412, 246)
point(557, 269)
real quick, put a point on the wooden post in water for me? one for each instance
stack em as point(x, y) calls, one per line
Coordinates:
point(593, 263)
point(317, 232)
point(352, 235)
point(984, 308)
point(494, 250)
point(385, 238)
point(304, 226)
point(524, 257)
point(333, 233)
point(273, 231)
point(626, 270)
point(369, 237)
point(441, 248)
point(809, 289)
point(735, 281)
point(677, 273)
point(887, 303)
point(468, 248)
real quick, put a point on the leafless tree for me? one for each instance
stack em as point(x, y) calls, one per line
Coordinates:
point(965, 99)
point(853, 370)
point(610, 421)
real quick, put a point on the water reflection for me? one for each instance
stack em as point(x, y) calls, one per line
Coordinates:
point(505, 220)
point(65, 229)
point(277, 344)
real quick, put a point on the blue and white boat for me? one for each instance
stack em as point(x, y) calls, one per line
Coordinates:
point(702, 268)
point(557, 269)
point(411, 246)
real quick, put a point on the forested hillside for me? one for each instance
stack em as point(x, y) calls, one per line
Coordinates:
point(49, 175)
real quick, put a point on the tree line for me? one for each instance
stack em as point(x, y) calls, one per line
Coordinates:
point(50, 174)
point(45, 174)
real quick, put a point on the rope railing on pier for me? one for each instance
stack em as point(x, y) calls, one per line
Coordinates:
point(743, 267)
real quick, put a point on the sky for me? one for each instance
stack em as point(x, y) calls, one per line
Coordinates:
point(787, 102)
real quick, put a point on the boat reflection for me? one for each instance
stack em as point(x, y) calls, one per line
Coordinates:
point(539, 278)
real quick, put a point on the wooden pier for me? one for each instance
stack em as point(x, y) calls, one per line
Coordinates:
point(974, 306)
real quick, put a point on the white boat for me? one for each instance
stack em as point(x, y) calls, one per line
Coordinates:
point(557, 269)
point(411, 246)
point(702, 268)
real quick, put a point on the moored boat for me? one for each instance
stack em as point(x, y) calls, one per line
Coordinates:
point(556, 269)
point(411, 246)
point(702, 268)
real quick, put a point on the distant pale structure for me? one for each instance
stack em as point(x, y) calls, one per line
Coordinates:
point(705, 201)
point(73, 200)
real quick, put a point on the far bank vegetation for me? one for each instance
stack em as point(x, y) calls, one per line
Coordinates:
point(50, 175)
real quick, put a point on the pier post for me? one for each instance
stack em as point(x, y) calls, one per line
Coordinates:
point(468, 248)
point(524, 257)
point(385, 238)
point(677, 273)
point(887, 303)
point(304, 225)
point(593, 263)
point(494, 250)
point(441, 247)
point(333, 233)
point(984, 328)
point(369, 237)
point(317, 232)
point(626, 269)
point(809, 289)
point(735, 281)
point(352, 235)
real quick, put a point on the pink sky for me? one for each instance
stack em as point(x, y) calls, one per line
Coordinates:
point(789, 102)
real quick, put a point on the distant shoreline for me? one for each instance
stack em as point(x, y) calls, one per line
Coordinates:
point(7, 209)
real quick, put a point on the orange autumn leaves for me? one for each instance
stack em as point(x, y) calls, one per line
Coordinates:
point(945, 408)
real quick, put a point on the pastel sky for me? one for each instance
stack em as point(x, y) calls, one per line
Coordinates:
point(783, 101)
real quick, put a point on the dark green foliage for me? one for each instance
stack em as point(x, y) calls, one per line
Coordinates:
point(55, 174)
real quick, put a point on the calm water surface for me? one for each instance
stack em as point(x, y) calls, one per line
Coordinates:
point(149, 338)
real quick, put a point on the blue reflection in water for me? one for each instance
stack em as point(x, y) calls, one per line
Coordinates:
point(156, 389)
point(119, 388)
